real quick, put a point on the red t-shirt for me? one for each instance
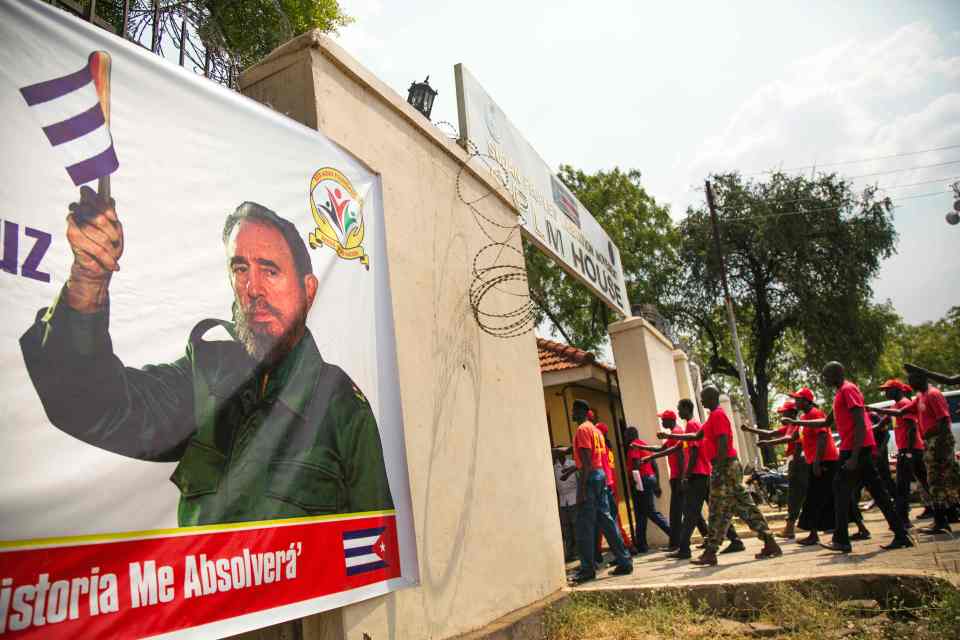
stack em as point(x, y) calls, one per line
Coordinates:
point(610, 469)
point(646, 469)
point(589, 437)
point(903, 425)
point(673, 459)
point(810, 435)
point(789, 430)
point(848, 397)
point(718, 424)
point(703, 466)
point(931, 406)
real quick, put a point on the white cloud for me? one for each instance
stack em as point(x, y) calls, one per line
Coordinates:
point(855, 100)
point(849, 101)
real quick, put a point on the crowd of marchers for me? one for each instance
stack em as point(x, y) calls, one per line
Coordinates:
point(834, 452)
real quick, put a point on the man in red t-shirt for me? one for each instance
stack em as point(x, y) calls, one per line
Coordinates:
point(693, 488)
point(798, 471)
point(906, 434)
point(593, 505)
point(727, 495)
point(856, 461)
point(943, 472)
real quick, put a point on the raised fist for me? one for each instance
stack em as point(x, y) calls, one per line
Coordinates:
point(96, 239)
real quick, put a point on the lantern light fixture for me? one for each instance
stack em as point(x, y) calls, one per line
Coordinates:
point(420, 96)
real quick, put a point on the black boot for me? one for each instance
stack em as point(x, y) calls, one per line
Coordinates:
point(940, 522)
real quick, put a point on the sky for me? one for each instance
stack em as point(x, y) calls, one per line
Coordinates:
point(682, 90)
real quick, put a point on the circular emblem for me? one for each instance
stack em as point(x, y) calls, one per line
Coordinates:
point(337, 209)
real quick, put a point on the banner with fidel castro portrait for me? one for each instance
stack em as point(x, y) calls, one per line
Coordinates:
point(192, 448)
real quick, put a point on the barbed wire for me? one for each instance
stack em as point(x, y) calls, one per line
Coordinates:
point(489, 272)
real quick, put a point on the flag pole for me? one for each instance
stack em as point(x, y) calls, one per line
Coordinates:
point(100, 66)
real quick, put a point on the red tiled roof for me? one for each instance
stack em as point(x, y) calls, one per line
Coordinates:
point(556, 356)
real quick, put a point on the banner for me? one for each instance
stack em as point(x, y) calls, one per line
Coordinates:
point(201, 416)
point(553, 219)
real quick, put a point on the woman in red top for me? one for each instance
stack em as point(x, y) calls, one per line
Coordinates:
point(820, 450)
point(676, 459)
point(643, 495)
point(798, 471)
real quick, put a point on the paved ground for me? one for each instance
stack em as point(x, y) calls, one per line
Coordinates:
point(933, 554)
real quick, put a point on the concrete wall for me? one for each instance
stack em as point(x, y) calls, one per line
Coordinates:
point(476, 435)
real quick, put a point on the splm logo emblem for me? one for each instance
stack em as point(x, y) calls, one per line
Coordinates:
point(338, 211)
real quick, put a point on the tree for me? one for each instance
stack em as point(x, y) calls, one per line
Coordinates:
point(641, 229)
point(935, 345)
point(800, 256)
point(797, 367)
point(222, 37)
point(250, 29)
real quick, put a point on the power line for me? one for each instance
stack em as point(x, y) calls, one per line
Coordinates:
point(861, 161)
point(923, 166)
point(947, 179)
point(796, 213)
point(879, 188)
point(917, 184)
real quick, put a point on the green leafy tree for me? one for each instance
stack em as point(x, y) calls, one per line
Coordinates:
point(641, 229)
point(800, 256)
point(935, 345)
point(250, 29)
point(232, 33)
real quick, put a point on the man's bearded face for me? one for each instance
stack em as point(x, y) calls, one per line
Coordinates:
point(270, 301)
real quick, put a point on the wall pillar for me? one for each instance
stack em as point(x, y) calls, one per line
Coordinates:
point(647, 373)
point(684, 380)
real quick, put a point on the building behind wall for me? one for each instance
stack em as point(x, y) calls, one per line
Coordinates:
point(568, 374)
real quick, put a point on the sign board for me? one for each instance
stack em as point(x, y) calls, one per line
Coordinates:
point(552, 217)
point(199, 391)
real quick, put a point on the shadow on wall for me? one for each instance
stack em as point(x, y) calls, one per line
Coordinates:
point(457, 382)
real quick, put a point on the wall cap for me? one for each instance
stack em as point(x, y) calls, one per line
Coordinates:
point(636, 322)
point(316, 41)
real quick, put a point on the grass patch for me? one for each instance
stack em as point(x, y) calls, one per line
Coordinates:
point(814, 614)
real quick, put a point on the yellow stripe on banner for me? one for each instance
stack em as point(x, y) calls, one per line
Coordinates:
point(183, 531)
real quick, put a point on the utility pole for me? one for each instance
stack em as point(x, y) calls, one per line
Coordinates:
point(731, 318)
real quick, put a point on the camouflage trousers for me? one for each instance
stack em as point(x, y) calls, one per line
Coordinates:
point(728, 498)
point(943, 472)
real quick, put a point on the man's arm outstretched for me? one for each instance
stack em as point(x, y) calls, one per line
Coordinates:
point(85, 389)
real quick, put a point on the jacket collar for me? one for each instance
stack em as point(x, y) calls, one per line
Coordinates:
point(298, 375)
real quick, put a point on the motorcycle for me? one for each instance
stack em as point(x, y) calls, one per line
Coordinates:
point(768, 486)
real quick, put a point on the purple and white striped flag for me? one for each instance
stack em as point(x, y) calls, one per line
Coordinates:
point(70, 112)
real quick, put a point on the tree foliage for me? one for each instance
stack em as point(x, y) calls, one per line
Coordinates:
point(647, 240)
point(237, 33)
point(934, 345)
point(250, 29)
point(800, 255)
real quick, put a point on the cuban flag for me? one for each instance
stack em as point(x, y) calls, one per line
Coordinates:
point(74, 112)
point(364, 550)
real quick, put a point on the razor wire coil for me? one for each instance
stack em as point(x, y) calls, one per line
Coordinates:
point(489, 272)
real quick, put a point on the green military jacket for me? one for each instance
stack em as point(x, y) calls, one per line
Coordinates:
point(297, 440)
